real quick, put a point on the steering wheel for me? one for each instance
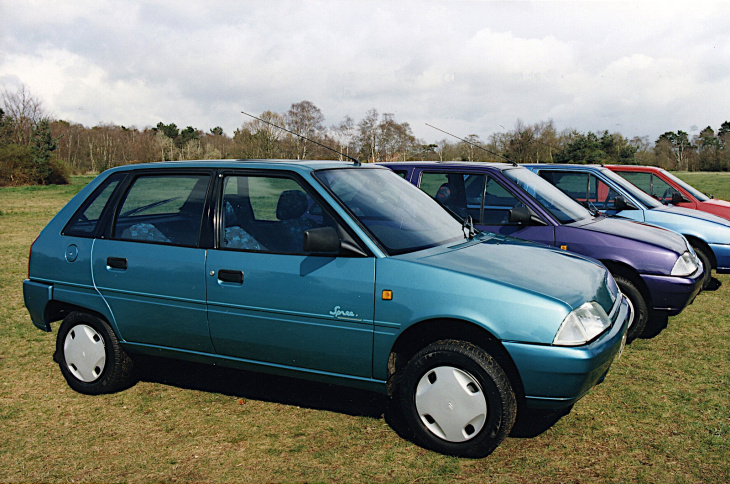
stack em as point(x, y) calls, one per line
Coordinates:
point(667, 196)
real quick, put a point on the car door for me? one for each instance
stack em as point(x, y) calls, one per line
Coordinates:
point(485, 199)
point(149, 267)
point(268, 301)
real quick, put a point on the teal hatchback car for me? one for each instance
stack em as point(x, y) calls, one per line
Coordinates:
point(324, 271)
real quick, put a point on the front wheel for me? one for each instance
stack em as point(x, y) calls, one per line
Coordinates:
point(706, 265)
point(456, 399)
point(638, 305)
point(90, 357)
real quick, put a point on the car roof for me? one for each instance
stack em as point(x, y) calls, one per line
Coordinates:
point(637, 168)
point(276, 164)
point(498, 165)
point(571, 166)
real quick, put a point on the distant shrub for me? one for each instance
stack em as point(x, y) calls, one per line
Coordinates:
point(17, 167)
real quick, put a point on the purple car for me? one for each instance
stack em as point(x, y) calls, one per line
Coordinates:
point(655, 268)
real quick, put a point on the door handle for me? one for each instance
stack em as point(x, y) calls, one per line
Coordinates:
point(225, 275)
point(116, 263)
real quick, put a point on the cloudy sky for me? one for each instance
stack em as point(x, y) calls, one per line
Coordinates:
point(470, 67)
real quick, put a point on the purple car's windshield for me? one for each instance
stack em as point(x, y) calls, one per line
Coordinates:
point(398, 215)
point(695, 193)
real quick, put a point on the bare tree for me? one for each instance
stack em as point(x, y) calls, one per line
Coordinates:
point(23, 110)
point(304, 119)
point(344, 134)
point(368, 135)
point(396, 140)
point(257, 139)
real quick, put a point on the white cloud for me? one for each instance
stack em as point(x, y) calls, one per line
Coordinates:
point(640, 68)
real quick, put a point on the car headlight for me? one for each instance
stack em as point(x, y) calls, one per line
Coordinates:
point(582, 325)
point(686, 264)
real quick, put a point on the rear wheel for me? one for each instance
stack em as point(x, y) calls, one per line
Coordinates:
point(90, 357)
point(638, 305)
point(456, 399)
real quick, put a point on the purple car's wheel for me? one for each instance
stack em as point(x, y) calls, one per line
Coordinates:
point(640, 309)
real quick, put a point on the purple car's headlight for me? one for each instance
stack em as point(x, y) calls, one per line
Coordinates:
point(686, 264)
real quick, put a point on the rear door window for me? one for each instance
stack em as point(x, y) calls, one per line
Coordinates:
point(474, 194)
point(165, 209)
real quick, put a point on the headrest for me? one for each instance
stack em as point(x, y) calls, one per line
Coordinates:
point(443, 193)
point(292, 204)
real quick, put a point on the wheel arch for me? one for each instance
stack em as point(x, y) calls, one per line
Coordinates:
point(420, 335)
point(58, 310)
point(624, 270)
point(702, 245)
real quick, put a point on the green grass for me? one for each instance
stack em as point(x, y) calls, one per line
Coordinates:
point(713, 183)
point(661, 415)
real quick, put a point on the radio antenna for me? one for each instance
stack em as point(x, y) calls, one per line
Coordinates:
point(473, 144)
point(355, 160)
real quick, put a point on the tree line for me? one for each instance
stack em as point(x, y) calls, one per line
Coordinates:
point(37, 149)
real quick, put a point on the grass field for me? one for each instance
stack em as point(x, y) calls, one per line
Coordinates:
point(662, 415)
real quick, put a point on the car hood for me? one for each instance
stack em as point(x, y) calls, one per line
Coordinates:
point(568, 277)
point(719, 207)
point(696, 214)
point(637, 231)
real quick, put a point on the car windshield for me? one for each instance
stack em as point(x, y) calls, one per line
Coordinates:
point(633, 190)
point(695, 193)
point(563, 208)
point(398, 215)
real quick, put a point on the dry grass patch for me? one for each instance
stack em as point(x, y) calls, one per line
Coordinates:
point(661, 416)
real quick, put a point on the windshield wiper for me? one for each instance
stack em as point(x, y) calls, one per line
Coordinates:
point(467, 227)
point(591, 208)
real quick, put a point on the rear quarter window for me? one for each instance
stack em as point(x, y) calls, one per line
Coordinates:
point(86, 219)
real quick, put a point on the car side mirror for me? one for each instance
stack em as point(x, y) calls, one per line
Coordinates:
point(677, 198)
point(520, 216)
point(620, 203)
point(321, 240)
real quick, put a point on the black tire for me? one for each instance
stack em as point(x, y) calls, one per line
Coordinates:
point(90, 357)
point(474, 394)
point(706, 265)
point(639, 306)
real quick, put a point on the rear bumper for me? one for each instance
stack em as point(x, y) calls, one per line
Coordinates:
point(672, 294)
point(37, 296)
point(558, 376)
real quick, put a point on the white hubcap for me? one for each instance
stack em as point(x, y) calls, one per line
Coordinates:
point(451, 404)
point(84, 352)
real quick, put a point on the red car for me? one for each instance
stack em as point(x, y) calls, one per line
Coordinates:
point(667, 188)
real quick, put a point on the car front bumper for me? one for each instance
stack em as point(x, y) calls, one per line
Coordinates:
point(672, 294)
point(558, 376)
